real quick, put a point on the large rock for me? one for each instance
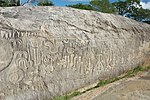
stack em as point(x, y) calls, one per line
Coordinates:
point(50, 51)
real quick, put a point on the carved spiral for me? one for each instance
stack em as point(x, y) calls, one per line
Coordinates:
point(15, 75)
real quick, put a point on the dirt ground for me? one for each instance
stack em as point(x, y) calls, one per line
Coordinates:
point(134, 88)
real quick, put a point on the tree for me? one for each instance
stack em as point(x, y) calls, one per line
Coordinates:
point(143, 15)
point(96, 5)
point(132, 9)
point(8, 3)
point(127, 7)
point(103, 6)
point(82, 6)
point(45, 3)
point(39, 2)
point(120, 7)
point(3, 3)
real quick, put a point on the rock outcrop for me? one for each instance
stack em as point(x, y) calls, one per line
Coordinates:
point(50, 51)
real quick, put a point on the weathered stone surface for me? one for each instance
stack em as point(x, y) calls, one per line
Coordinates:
point(129, 88)
point(49, 51)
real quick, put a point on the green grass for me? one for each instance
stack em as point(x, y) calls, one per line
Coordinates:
point(134, 72)
point(130, 73)
point(67, 96)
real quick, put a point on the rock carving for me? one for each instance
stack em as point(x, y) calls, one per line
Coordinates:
point(43, 57)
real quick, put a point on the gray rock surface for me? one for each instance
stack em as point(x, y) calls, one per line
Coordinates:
point(129, 88)
point(50, 51)
point(132, 90)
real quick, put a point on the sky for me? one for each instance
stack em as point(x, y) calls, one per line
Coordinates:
point(67, 2)
point(145, 3)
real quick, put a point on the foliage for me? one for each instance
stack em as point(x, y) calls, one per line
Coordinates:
point(9, 3)
point(96, 5)
point(82, 6)
point(3, 3)
point(103, 6)
point(45, 3)
point(39, 2)
point(129, 8)
point(132, 9)
point(143, 15)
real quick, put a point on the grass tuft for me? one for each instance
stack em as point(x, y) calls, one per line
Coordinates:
point(67, 96)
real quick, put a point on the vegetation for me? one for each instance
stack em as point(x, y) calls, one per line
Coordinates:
point(102, 6)
point(130, 73)
point(9, 3)
point(45, 3)
point(67, 97)
point(128, 8)
point(131, 9)
point(82, 6)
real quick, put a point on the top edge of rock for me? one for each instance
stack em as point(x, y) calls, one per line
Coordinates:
point(80, 18)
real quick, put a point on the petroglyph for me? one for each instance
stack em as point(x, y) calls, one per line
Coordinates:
point(56, 55)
